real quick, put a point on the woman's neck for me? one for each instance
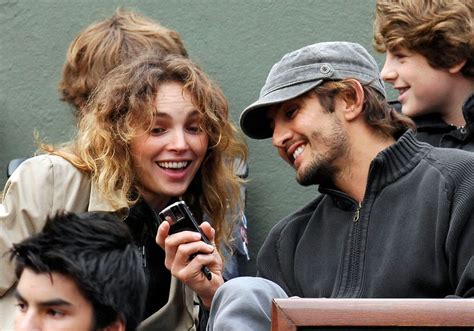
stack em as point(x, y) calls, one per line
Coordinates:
point(155, 201)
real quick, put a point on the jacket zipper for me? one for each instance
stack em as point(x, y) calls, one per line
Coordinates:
point(357, 213)
point(354, 255)
point(347, 289)
point(143, 254)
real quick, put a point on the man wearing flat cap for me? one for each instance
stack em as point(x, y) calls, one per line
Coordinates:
point(395, 217)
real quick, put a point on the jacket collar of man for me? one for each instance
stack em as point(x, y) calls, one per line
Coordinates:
point(387, 167)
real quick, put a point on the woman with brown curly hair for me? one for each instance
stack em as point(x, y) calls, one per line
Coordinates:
point(155, 130)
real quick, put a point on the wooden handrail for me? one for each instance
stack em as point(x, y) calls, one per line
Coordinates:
point(290, 313)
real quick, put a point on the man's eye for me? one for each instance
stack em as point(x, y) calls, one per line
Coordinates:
point(290, 111)
point(22, 306)
point(54, 313)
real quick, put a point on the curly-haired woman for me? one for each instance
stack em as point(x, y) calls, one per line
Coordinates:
point(155, 130)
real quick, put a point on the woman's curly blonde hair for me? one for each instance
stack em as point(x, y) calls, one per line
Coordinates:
point(124, 102)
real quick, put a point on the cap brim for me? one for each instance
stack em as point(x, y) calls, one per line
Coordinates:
point(253, 119)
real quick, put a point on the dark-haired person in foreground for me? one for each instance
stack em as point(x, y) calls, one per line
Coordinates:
point(395, 217)
point(82, 272)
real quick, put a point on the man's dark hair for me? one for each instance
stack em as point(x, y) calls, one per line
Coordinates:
point(96, 250)
point(377, 112)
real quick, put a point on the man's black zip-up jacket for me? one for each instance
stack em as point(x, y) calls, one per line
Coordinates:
point(411, 237)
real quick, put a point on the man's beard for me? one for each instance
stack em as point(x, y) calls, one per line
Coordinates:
point(318, 172)
point(322, 170)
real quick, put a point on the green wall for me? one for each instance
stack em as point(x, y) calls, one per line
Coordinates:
point(235, 41)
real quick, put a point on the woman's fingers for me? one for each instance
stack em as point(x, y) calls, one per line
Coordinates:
point(208, 230)
point(162, 234)
point(189, 251)
point(187, 254)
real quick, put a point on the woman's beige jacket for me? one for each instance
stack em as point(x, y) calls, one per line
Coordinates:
point(42, 186)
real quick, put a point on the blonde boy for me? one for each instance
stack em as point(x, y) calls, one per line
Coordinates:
point(429, 46)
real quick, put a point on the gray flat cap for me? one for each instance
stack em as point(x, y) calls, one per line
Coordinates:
point(302, 70)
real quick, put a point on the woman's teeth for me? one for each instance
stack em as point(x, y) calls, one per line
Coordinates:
point(173, 165)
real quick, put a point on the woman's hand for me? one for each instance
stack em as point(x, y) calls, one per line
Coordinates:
point(187, 254)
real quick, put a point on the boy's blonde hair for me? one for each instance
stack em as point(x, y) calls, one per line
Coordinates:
point(106, 44)
point(440, 30)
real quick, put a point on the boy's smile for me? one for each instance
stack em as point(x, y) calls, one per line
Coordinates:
point(422, 89)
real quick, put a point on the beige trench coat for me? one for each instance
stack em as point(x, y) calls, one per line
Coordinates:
point(43, 185)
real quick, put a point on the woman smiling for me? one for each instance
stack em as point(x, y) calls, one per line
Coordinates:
point(154, 131)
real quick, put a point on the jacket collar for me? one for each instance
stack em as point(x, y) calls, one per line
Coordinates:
point(468, 112)
point(434, 121)
point(98, 203)
point(387, 167)
point(397, 160)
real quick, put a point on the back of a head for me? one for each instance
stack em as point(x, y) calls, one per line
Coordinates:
point(440, 30)
point(106, 44)
point(96, 251)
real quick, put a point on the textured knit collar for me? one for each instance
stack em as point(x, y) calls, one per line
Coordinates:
point(396, 160)
point(388, 166)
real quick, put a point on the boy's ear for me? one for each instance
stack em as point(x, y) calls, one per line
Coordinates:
point(457, 67)
point(354, 101)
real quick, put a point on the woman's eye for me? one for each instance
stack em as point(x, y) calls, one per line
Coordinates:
point(157, 131)
point(194, 129)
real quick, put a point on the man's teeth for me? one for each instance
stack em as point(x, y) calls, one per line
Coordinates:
point(298, 151)
point(173, 165)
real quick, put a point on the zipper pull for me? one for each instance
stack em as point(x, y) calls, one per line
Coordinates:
point(357, 213)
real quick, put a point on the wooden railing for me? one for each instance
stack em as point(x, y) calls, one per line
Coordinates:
point(289, 314)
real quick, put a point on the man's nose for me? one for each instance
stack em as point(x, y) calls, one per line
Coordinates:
point(281, 134)
point(27, 321)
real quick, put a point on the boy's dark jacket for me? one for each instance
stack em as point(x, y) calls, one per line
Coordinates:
point(412, 236)
point(433, 130)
